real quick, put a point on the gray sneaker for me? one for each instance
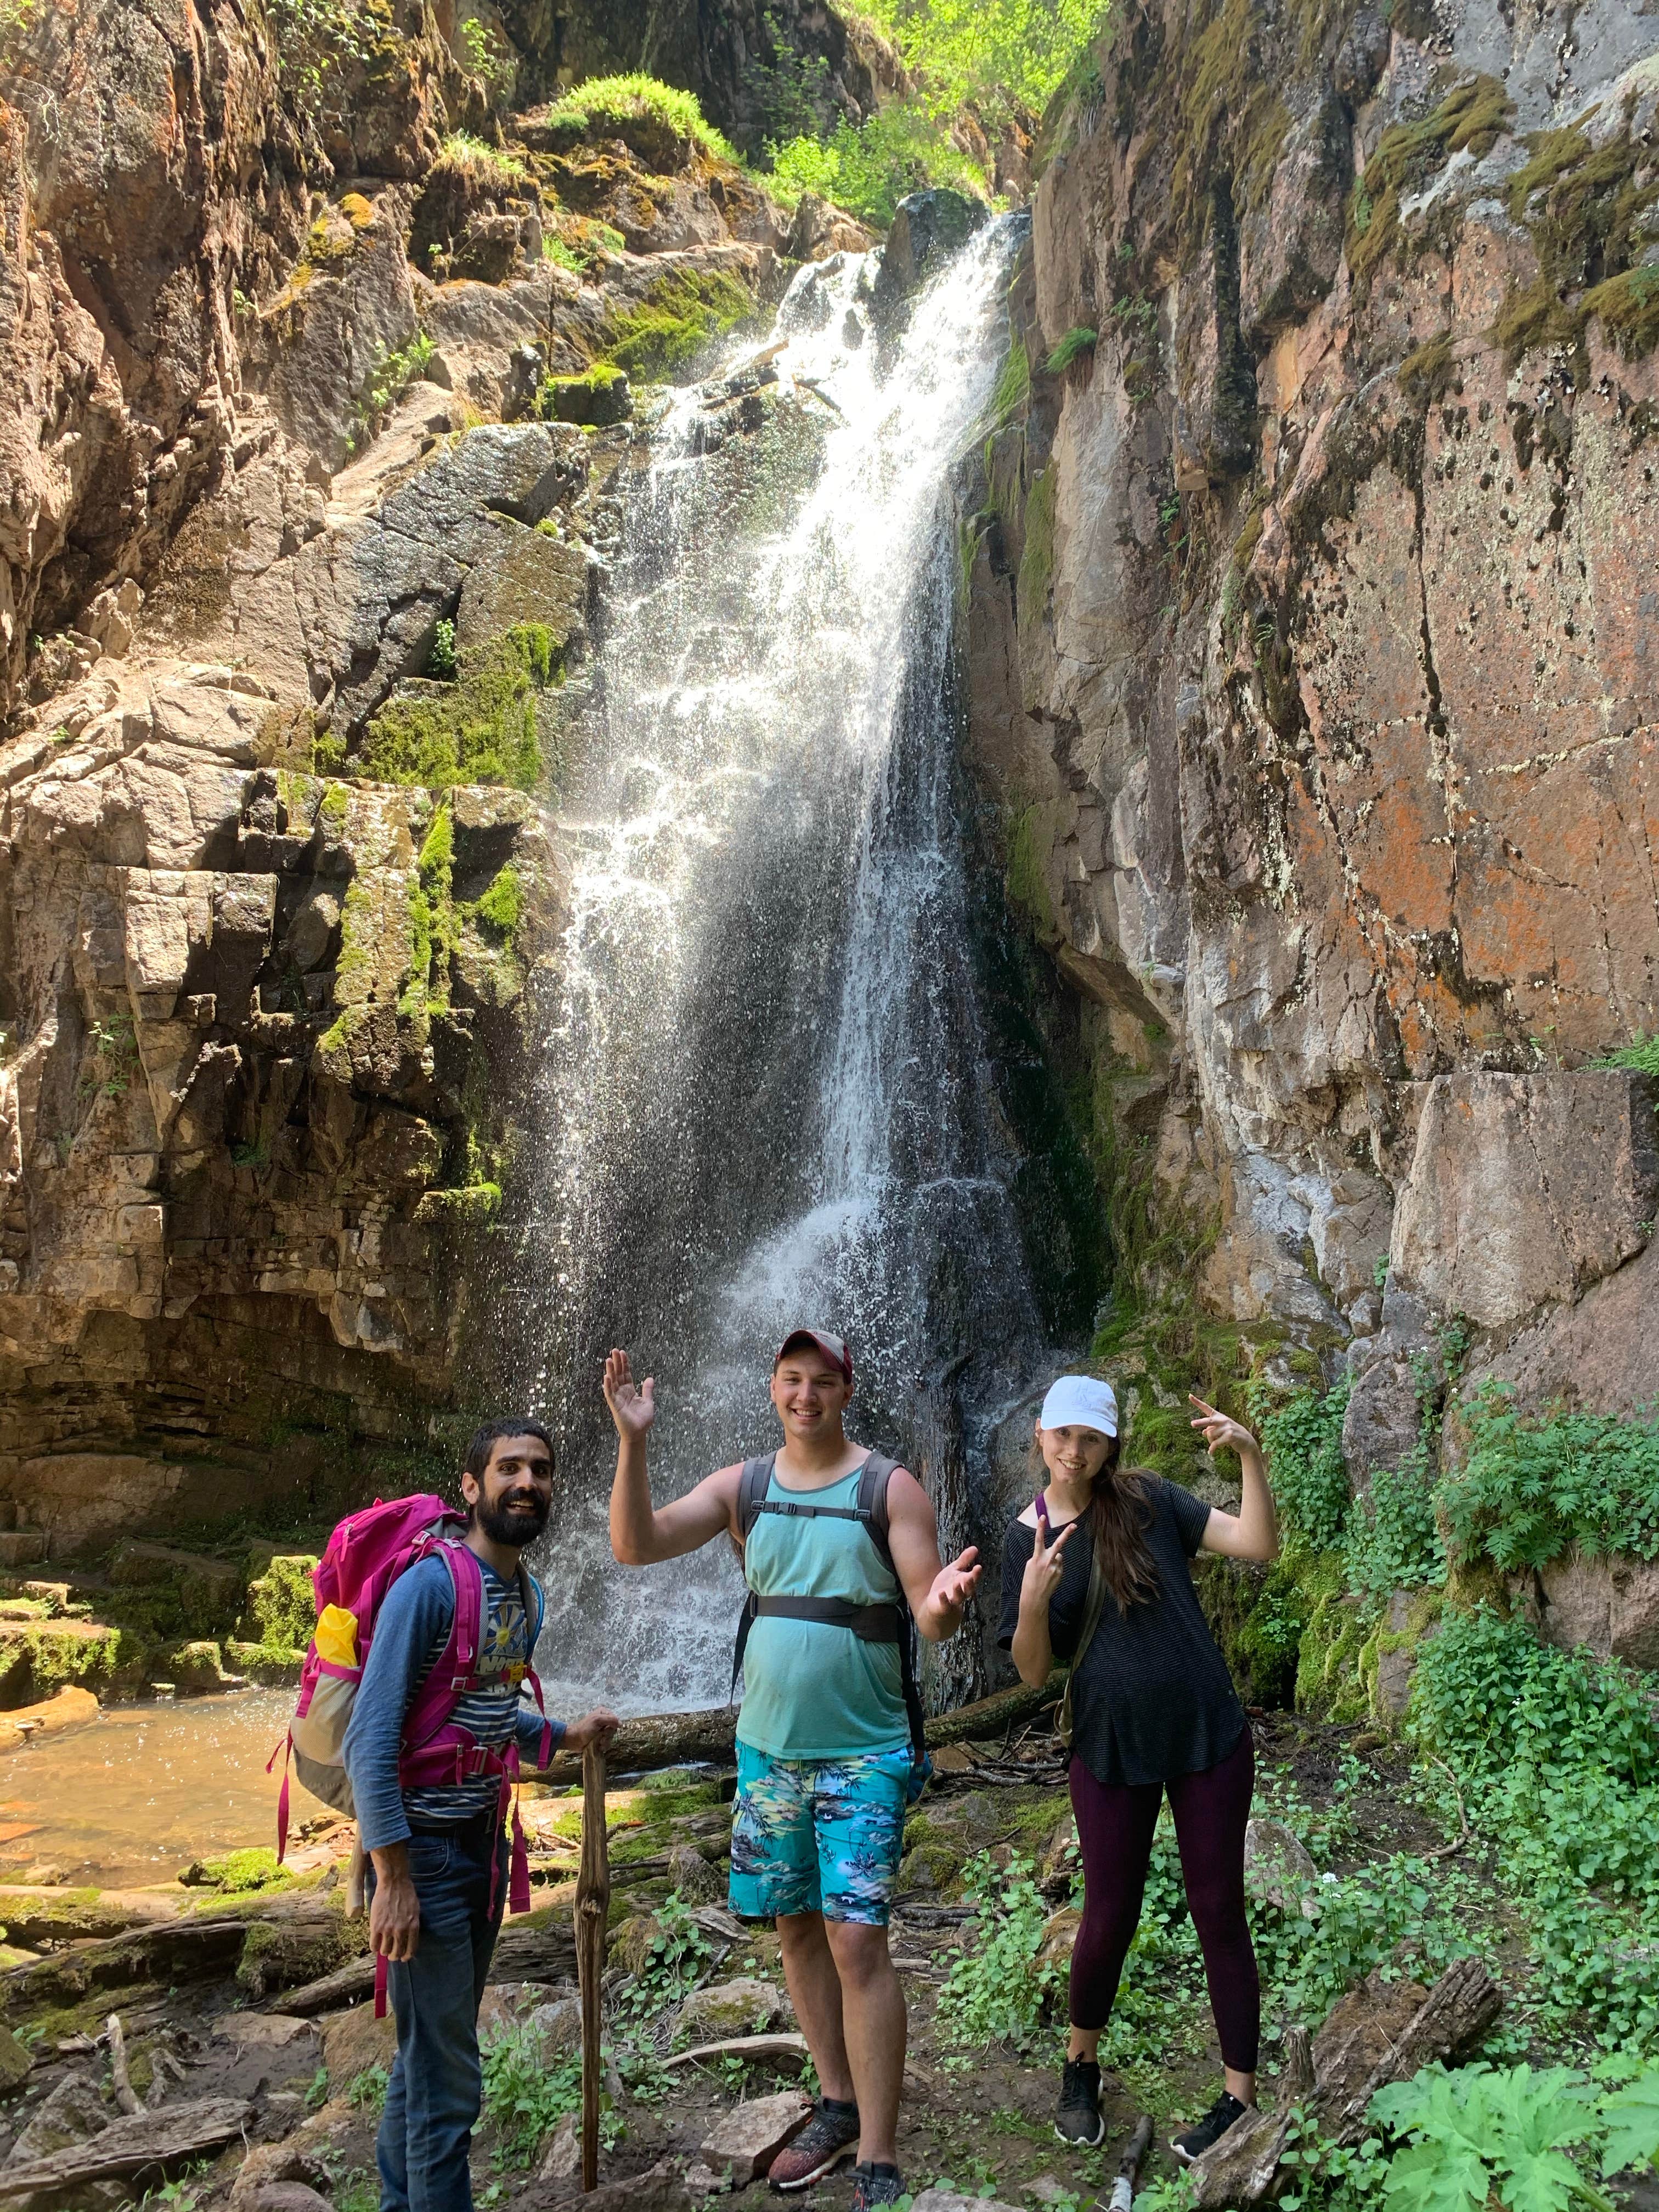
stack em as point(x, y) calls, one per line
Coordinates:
point(829, 2138)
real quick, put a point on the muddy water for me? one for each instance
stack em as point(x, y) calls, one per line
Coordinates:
point(137, 1793)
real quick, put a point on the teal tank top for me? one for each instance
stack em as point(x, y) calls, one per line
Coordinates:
point(812, 1690)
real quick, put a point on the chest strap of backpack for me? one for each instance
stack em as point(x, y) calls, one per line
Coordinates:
point(887, 1622)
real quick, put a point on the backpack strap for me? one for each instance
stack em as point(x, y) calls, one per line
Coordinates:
point(878, 1472)
point(873, 1478)
point(451, 1672)
point(752, 1485)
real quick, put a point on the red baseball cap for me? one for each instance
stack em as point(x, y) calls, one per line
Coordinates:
point(833, 1350)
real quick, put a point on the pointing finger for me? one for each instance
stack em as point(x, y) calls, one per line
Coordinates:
point(1214, 1411)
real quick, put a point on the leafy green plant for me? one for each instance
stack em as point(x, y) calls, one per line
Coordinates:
point(993, 53)
point(524, 2094)
point(1509, 2132)
point(441, 660)
point(1303, 1442)
point(1533, 1487)
point(487, 56)
point(1642, 1053)
point(366, 2092)
point(995, 1991)
point(387, 383)
point(1077, 341)
point(476, 157)
point(869, 167)
point(317, 2092)
point(1393, 1539)
point(317, 43)
point(675, 1960)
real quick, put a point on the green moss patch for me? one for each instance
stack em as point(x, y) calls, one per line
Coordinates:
point(675, 321)
point(483, 727)
point(598, 396)
point(1473, 115)
point(1426, 374)
point(280, 1610)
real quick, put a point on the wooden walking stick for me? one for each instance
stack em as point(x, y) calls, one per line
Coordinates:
point(1128, 2169)
point(592, 1909)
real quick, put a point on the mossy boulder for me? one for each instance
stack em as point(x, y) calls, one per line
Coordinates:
point(183, 1593)
point(36, 1662)
point(1328, 1677)
point(196, 1668)
point(745, 2006)
point(484, 727)
point(598, 396)
point(280, 1610)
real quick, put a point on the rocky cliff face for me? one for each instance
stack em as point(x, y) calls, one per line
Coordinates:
point(1313, 662)
point(297, 639)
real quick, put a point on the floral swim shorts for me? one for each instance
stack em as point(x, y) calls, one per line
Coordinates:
point(818, 1835)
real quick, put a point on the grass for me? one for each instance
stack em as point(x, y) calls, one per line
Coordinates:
point(619, 100)
point(1077, 341)
point(484, 163)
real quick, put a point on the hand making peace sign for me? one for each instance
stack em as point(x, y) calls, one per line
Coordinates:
point(1045, 1566)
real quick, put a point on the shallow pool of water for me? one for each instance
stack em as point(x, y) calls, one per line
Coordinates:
point(137, 1793)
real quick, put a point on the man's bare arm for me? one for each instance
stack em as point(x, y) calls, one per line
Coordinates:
point(937, 1594)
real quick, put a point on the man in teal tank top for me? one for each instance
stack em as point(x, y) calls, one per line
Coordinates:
point(823, 1737)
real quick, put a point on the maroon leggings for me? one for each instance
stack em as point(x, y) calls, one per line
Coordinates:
point(1115, 1828)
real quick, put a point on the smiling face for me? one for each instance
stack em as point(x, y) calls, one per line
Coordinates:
point(1073, 1456)
point(514, 1495)
point(809, 1393)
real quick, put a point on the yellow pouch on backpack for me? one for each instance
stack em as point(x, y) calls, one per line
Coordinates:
point(336, 1636)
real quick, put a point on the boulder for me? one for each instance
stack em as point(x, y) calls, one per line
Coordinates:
point(743, 2006)
point(287, 2196)
point(1524, 1191)
point(354, 2040)
point(15, 2062)
point(72, 2113)
point(926, 229)
point(557, 2026)
point(952, 2200)
point(523, 576)
point(1278, 1870)
point(1610, 1605)
point(749, 2136)
point(698, 1881)
point(563, 2156)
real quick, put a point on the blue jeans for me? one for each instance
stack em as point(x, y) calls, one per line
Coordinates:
point(432, 2100)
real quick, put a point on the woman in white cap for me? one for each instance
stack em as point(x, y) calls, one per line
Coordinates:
point(1095, 1572)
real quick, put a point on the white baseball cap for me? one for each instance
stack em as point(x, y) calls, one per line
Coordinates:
point(1080, 1402)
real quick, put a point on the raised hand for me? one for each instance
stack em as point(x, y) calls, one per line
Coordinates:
point(633, 1406)
point(954, 1585)
point(1045, 1566)
point(1220, 1430)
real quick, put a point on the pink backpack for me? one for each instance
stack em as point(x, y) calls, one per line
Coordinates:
point(366, 1554)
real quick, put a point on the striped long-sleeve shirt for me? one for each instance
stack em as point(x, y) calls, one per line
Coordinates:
point(409, 1635)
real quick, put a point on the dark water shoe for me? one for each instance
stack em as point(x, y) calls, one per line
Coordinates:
point(1225, 2113)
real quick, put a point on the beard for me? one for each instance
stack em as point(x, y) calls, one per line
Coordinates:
point(502, 1527)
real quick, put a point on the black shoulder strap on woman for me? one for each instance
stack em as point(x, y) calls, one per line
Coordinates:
point(1093, 1608)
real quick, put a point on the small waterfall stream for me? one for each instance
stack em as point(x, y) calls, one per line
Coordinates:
point(768, 1095)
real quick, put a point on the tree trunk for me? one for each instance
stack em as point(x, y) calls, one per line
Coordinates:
point(659, 1739)
point(1381, 2032)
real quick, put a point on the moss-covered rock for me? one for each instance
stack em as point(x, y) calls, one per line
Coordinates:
point(598, 396)
point(36, 1662)
point(483, 728)
point(674, 322)
point(280, 1610)
point(177, 1593)
point(1328, 1679)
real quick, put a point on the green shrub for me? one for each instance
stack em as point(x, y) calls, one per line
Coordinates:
point(869, 167)
point(525, 2096)
point(1393, 1540)
point(620, 99)
point(1507, 2132)
point(991, 52)
point(1531, 1487)
point(1303, 1444)
point(995, 1991)
point(440, 660)
point(316, 43)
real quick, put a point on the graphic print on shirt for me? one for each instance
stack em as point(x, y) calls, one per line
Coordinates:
point(489, 1712)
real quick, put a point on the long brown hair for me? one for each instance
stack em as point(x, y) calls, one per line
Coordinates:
point(1119, 1513)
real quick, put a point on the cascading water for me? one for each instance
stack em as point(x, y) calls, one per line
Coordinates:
point(768, 1094)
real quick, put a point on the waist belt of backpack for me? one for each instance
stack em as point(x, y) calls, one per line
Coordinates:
point(872, 1624)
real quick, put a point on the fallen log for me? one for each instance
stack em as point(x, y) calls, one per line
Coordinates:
point(707, 1737)
point(35, 1916)
point(541, 1946)
point(142, 2145)
point(342, 1987)
point(169, 1951)
point(1381, 2032)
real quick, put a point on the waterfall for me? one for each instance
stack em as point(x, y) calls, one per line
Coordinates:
point(768, 1095)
